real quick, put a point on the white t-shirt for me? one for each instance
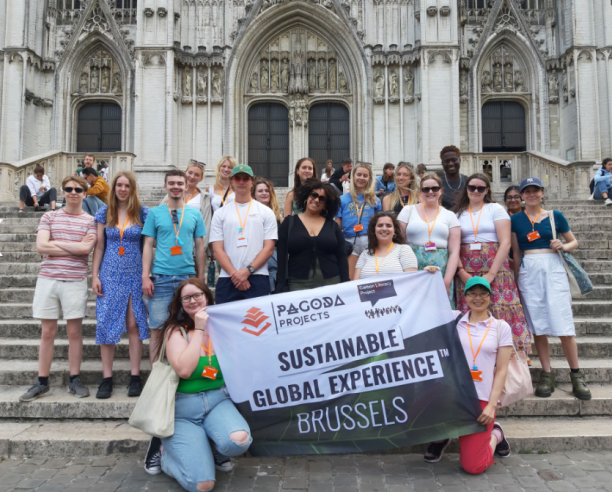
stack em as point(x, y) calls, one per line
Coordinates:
point(491, 213)
point(215, 200)
point(487, 357)
point(325, 177)
point(195, 202)
point(400, 258)
point(417, 232)
point(260, 226)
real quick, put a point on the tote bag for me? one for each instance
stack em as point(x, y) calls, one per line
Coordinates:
point(154, 410)
point(518, 380)
point(579, 282)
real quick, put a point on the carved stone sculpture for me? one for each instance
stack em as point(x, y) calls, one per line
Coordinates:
point(332, 75)
point(284, 74)
point(486, 81)
point(274, 76)
point(95, 79)
point(553, 88)
point(116, 83)
point(322, 75)
point(508, 78)
point(105, 85)
point(408, 85)
point(187, 83)
point(379, 87)
point(565, 95)
point(312, 76)
point(84, 84)
point(519, 81)
point(393, 86)
point(216, 87)
point(342, 85)
point(497, 78)
point(463, 87)
point(254, 82)
point(202, 84)
point(291, 111)
point(264, 76)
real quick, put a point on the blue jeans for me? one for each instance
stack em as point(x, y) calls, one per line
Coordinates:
point(227, 292)
point(188, 455)
point(91, 204)
point(602, 187)
point(164, 288)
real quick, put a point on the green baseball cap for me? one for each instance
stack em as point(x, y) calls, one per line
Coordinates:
point(477, 281)
point(242, 168)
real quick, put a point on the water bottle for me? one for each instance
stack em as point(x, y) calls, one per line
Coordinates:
point(211, 274)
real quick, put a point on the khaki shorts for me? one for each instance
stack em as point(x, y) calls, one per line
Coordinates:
point(54, 296)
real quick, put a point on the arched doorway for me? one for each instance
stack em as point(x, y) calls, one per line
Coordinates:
point(503, 127)
point(329, 133)
point(269, 141)
point(99, 128)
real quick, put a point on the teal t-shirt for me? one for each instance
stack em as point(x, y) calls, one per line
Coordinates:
point(159, 226)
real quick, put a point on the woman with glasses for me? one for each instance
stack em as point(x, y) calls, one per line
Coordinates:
point(304, 169)
point(406, 189)
point(263, 192)
point(221, 192)
point(117, 280)
point(485, 244)
point(312, 241)
point(544, 287)
point(208, 428)
point(433, 232)
point(387, 252)
point(487, 343)
point(513, 201)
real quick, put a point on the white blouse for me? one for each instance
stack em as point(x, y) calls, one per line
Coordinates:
point(216, 200)
point(417, 232)
point(491, 213)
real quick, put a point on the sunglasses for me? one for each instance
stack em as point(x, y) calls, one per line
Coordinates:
point(315, 196)
point(174, 217)
point(201, 165)
point(430, 189)
point(70, 189)
point(243, 177)
point(479, 189)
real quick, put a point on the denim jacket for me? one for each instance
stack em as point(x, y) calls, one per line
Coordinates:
point(603, 175)
point(379, 185)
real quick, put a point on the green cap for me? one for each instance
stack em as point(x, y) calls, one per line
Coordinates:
point(477, 281)
point(242, 168)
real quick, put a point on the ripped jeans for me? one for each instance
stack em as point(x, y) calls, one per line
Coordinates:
point(200, 418)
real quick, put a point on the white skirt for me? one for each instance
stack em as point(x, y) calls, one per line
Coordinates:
point(546, 296)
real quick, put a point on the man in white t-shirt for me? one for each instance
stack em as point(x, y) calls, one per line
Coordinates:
point(243, 235)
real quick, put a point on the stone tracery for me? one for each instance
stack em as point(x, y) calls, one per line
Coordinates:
point(99, 74)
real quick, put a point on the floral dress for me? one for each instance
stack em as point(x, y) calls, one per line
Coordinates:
point(121, 278)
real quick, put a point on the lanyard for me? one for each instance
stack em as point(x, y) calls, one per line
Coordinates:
point(430, 230)
point(246, 217)
point(383, 259)
point(359, 210)
point(477, 223)
point(122, 229)
point(402, 201)
point(474, 355)
point(195, 192)
point(209, 351)
point(533, 222)
point(177, 240)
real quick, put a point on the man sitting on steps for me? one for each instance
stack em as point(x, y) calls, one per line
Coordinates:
point(97, 194)
point(64, 238)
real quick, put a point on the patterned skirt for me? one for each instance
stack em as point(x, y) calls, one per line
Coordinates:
point(505, 300)
point(438, 258)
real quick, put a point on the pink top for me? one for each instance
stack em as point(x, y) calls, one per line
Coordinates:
point(487, 357)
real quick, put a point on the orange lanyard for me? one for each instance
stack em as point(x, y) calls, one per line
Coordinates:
point(359, 210)
point(209, 351)
point(192, 195)
point(122, 229)
point(477, 223)
point(246, 217)
point(383, 259)
point(430, 230)
point(533, 222)
point(177, 240)
point(224, 195)
point(402, 201)
point(474, 355)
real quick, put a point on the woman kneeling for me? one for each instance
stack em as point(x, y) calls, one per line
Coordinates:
point(487, 343)
point(203, 409)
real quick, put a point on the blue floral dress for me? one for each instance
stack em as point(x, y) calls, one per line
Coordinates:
point(121, 277)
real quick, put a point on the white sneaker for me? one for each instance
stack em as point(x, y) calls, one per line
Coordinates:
point(608, 202)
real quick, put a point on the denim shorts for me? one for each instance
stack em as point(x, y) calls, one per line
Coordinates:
point(164, 288)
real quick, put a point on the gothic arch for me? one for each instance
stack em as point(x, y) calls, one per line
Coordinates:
point(263, 29)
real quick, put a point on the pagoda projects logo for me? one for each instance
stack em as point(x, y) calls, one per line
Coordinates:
point(257, 320)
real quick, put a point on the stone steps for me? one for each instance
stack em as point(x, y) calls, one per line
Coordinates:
point(17, 348)
point(24, 310)
point(27, 295)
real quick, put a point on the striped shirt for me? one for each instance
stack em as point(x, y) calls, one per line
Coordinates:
point(400, 258)
point(67, 228)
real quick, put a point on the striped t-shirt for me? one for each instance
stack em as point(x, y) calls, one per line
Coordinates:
point(400, 258)
point(68, 228)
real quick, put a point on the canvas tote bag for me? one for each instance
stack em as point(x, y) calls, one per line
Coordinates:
point(154, 410)
point(518, 381)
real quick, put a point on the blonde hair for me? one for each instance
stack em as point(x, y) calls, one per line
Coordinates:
point(412, 188)
point(233, 162)
point(369, 196)
point(195, 164)
point(437, 179)
point(274, 205)
point(133, 204)
point(78, 180)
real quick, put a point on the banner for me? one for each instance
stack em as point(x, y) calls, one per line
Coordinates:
point(359, 366)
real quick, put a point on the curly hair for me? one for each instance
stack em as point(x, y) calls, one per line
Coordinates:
point(332, 202)
point(398, 238)
point(176, 313)
point(464, 201)
point(449, 148)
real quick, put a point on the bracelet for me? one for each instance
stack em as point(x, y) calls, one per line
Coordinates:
point(198, 329)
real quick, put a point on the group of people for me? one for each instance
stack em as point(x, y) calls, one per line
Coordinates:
point(348, 225)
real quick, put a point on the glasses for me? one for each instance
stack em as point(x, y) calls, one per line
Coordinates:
point(430, 189)
point(243, 177)
point(194, 297)
point(315, 196)
point(516, 198)
point(70, 189)
point(174, 216)
point(479, 189)
point(474, 295)
point(201, 165)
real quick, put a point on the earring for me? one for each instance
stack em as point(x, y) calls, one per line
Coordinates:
point(324, 214)
point(394, 235)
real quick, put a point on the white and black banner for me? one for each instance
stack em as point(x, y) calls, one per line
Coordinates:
point(358, 366)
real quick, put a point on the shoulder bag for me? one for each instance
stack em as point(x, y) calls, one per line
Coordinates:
point(154, 410)
point(285, 287)
point(518, 380)
point(579, 282)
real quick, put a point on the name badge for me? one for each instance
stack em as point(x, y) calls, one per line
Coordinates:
point(476, 375)
point(176, 250)
point(532, 236)
point(430, 246)
point(475, 246)
point(358, 228)
point(210, 373)
point(242, 242)
point(121, 250)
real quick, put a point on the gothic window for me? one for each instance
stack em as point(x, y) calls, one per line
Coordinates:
point(68, 11)
point(477, 10)
point(124, 11)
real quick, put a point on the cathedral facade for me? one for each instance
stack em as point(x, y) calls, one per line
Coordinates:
point(271, 81)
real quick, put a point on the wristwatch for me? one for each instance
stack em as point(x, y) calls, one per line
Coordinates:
point(251, 269)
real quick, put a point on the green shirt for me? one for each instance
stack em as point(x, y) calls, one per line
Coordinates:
point(196, 383)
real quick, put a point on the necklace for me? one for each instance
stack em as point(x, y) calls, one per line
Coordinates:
point(454, 189)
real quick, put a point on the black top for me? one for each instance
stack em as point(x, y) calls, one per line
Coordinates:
point(335, 179)
point(328, 247)
point(452, 191)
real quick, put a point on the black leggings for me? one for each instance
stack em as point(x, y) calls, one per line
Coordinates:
point(26, 196)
